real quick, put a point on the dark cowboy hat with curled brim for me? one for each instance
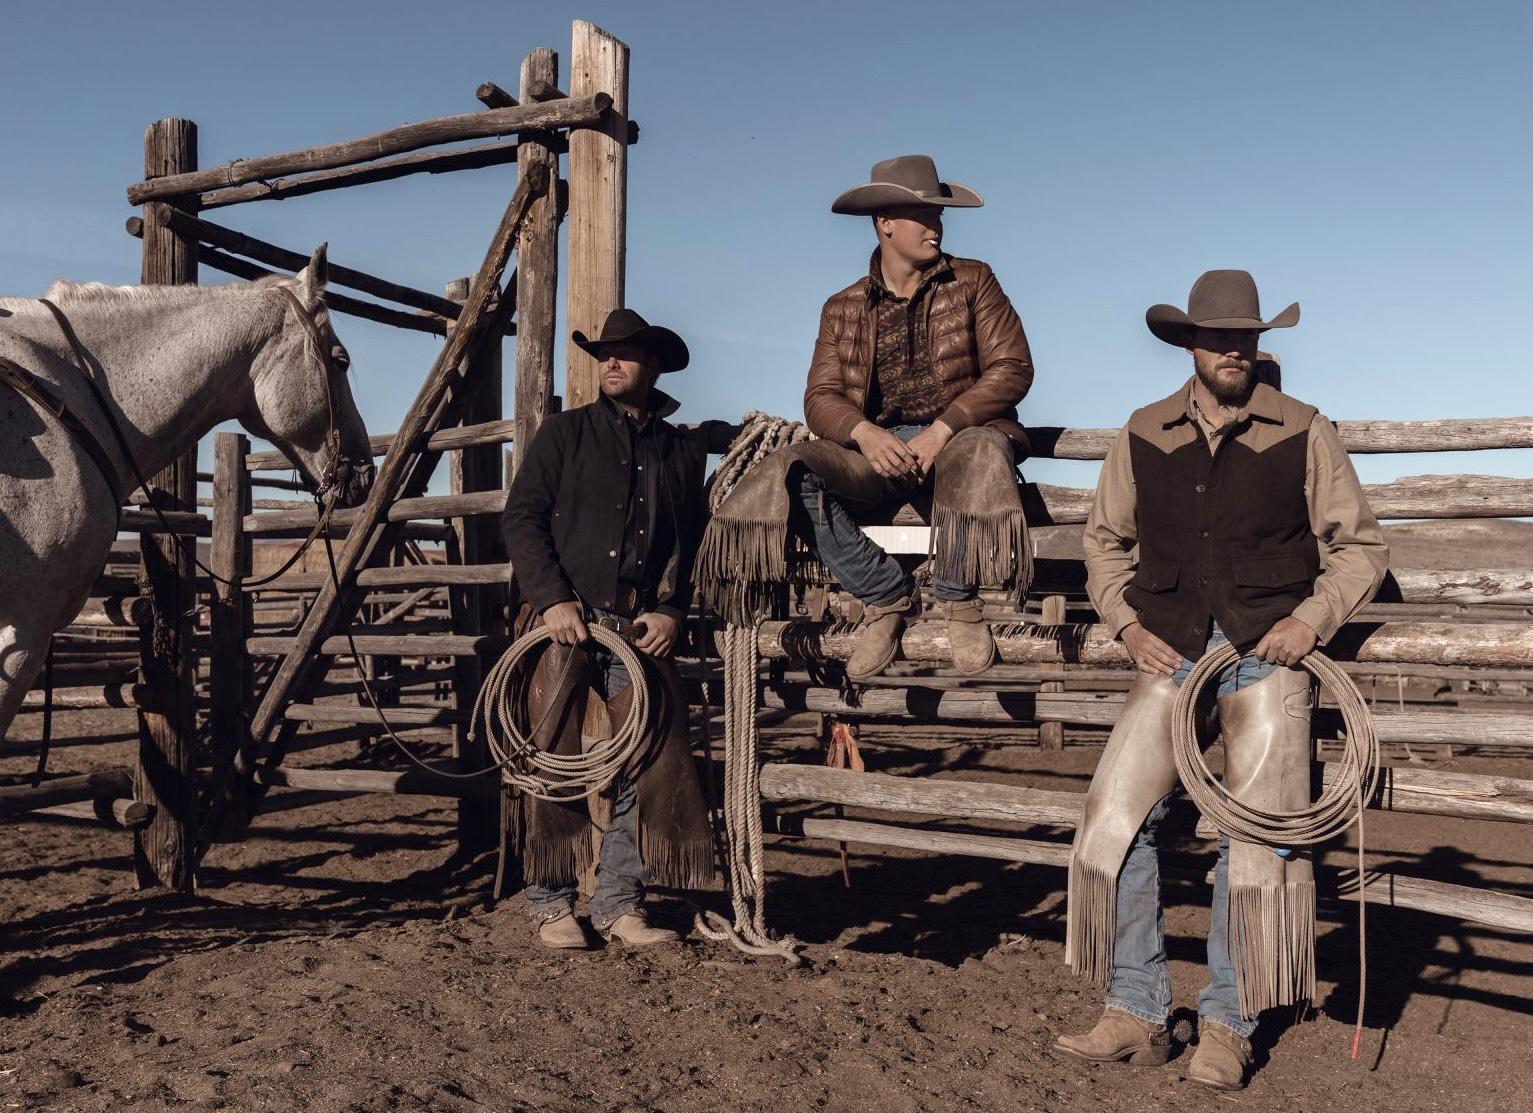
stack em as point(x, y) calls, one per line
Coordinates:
point(1219, 299)
point(625, 327)
point(907, 180)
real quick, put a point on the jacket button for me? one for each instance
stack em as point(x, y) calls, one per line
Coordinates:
point(1203, 533)
point(1202, 579)
point(612, 552)
point(1200, 488)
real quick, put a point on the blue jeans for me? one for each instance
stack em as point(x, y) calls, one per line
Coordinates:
point(1140, 983)
point(620, 875)
point(859, 565)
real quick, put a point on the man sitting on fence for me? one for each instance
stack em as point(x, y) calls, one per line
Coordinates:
point(1251, 527)
point(913, 388)
point(602, 525)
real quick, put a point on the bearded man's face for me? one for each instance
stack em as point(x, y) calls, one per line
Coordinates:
point(1225, 360)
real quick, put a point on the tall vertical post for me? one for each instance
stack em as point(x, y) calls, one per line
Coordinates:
point(476, 609)
point(598, 174)
point(167, 721)
point(537, 266)
point(230, 685)
point(1051, 736)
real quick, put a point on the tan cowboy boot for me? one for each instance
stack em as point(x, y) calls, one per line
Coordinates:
point(968, 635)
point(1119, 1036)
point(565, 933)
point(1221, 1059)
point(632, 928)
point(879, 642)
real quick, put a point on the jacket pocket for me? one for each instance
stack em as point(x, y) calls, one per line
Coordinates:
point(1156, 575)
point(1270, 571)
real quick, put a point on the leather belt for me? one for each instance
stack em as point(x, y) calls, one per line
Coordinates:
point(629, 601)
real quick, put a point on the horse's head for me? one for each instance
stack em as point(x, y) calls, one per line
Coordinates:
point(301, 399)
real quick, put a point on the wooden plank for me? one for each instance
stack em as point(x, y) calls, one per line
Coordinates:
point(240, 243)
point(1446, 435)
point(598, 216)
point(537, 267)
point(1051, 735)
point(105, 784)
point(1508, 645)
point(122, 812)
point(402, 645)
point(459, 436)
point(118, 611)
point(410, 575)
point(411, 782)
point(573, 112)
point(166, 763)
point(403, 510)
point(82, 697)
point(342, 713)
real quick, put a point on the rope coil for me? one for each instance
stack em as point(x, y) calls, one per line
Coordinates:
point(1341, 803)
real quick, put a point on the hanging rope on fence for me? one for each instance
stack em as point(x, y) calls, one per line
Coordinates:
point(1340, 805)
point(742, 808)
point(760, 436)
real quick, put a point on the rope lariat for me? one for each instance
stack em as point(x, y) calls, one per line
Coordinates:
point(1341, 803)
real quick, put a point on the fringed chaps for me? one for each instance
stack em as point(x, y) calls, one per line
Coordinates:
point(749, 554)
point(1271, 899)
point(559, 843)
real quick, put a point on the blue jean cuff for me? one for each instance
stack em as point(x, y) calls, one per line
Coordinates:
point(602, 923)
point(1125, 1007)
point(1242, 1028)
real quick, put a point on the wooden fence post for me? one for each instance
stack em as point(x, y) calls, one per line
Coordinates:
point(1051, 736)
point(476, 609)
point(537, 266)
point(167, 722)
point(598, 175)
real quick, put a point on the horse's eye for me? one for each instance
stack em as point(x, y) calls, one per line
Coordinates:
point(339, 357)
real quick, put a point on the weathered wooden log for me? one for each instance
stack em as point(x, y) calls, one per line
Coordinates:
point(340, 713)
point(401, 510)
point(492, 95)
point(598, 211)
point(1499, 646)
point(399, 645)
point(106, 784)
point(1417, 496)
point(573, 112)
point(185, 523)
point(409, 575)
point(1482, 906)
point(1469, 586)
point(88, 697)
point(443, 440)
point(537, 266)
point(123, 812)
point(384, 170)
point(240, 243)
point(1420, 791)
point(1448, 435)
point(114, 610)
point(411, 782)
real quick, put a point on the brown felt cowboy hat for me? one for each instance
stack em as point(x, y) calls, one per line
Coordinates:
point(624, 326)
point(1219, 299)
point(907, 180)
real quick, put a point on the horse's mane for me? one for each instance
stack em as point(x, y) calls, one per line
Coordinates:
point(63, 290)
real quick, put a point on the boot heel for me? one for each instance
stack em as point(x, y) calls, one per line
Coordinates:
point(1150, 1057)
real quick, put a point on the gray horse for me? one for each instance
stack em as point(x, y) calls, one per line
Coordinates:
point(173, 362)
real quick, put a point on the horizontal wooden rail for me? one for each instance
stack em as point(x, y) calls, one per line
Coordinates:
point(566, 113)
point(122, 812)
point(1505, 645)
point(1464, 902)
point(205, 231)
point(408, 575)
point(182, 522)
point(107, 784)
point(1447, 435)
point(411, 782)
point(88, 697)
point(396, 645)
point(340, 713)
point(459, 436)
point(401, 510)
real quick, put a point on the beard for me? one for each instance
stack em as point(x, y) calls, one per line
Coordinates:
point(1229, 380)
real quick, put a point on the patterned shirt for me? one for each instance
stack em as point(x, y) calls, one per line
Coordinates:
point(904, 387)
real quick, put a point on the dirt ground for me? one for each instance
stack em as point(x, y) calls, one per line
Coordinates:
point(328, 964)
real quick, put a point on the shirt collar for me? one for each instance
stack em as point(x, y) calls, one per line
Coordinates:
point(1263, 405)
point(661, 406)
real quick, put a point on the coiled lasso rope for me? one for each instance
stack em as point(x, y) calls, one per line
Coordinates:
point(1341, 802)
point(562, 778)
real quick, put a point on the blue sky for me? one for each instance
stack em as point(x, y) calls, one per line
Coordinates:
point(1368, 160)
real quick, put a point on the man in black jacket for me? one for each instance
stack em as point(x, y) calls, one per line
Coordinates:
point(602, 525)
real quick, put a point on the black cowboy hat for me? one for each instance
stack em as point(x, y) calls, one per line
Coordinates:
point(624, 326)
point(1219, 299)
point(907, 180)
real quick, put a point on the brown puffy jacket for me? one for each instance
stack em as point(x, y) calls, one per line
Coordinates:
point(978, 351)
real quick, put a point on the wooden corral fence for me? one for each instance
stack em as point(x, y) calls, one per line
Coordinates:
point(422, 593)
point(1055, 675)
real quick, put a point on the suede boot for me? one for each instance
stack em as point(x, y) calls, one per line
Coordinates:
point(879, 642)
point(565, 933)
point(1120, 1036)
point(632, 928)
point(968, 636)
point(1221, 1059)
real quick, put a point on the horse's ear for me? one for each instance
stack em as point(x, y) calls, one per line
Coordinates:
point(313, 277)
